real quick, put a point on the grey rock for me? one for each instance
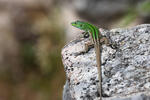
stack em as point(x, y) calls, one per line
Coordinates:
point(125, 69)
point(66, 92)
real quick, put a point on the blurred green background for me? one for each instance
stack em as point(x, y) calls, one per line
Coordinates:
point(33, 32)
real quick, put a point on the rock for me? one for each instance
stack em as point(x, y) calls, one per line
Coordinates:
point(125, 69)
point(67, 95)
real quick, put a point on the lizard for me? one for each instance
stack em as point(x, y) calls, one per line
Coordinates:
point(97, 39)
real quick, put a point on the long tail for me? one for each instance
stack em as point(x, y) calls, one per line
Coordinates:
point(98, 61)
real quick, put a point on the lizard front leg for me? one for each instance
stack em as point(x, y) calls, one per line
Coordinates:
point(89, 44)
point(106, 41)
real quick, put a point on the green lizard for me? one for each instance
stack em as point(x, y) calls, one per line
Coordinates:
point(97, 40)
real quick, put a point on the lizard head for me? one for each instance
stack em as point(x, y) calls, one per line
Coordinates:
point(79, 24)
point(93, 30)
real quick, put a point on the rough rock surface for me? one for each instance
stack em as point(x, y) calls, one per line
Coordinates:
point(125, 69)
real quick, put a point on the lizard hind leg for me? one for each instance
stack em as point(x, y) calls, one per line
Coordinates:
point(104, 40)
point(107, 42)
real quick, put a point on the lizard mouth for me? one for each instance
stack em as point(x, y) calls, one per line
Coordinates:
point(73, 23)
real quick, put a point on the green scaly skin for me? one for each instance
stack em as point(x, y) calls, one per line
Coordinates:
point(96, 38)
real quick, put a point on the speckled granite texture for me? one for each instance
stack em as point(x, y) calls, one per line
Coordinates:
point(125, 69)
